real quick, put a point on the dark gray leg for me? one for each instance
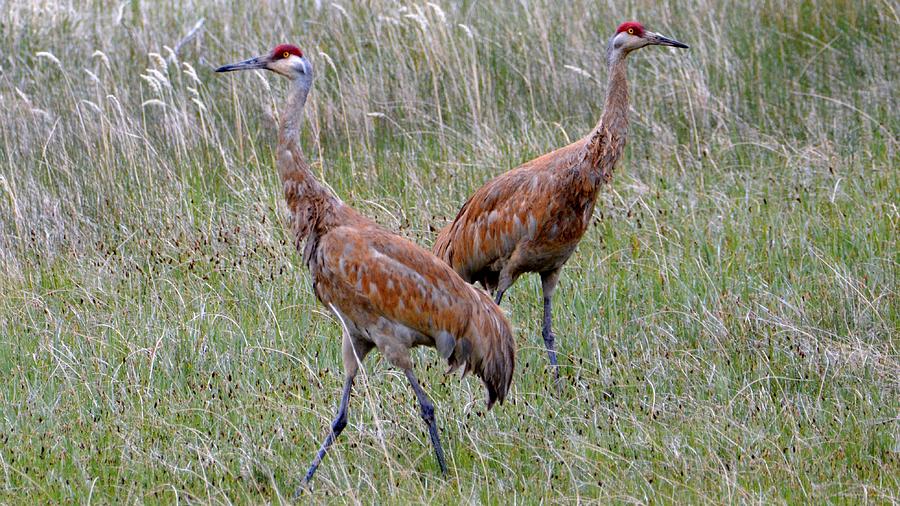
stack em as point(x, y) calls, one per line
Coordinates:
point(428, 416)
point(499, 296)
point(549, 339)
point(548, 286)
point(340, 421)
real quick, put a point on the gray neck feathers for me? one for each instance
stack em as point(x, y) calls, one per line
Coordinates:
point(311, 204)
point(607, 141)
point(615, 108)
point(292, 115)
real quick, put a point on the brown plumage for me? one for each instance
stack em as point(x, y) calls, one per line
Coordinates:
point(531, 218)
point(387, 292)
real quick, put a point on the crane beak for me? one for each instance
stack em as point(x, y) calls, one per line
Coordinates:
point(257, 63)
point(661, 40)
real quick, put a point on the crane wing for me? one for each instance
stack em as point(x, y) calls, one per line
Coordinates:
point(394, 278)
point(506, 211)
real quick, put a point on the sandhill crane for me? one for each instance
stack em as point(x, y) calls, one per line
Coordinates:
point(387, 292)
point(531, 218)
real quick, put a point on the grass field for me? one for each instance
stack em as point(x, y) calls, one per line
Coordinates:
point(728, 329)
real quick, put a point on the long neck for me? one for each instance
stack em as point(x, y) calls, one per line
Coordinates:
point(292, 115)
point(607, 141)
point(615, 109)
point(312, 206)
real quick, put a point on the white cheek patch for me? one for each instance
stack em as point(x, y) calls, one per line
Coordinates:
point(286, 66)
point(290, 65)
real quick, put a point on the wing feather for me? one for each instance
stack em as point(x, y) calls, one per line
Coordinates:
point(503, 213)
point(395, 279)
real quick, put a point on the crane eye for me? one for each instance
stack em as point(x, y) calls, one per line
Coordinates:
point(631, 31)
point(285, 55)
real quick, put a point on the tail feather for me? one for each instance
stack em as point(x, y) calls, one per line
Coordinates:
point(489, 349)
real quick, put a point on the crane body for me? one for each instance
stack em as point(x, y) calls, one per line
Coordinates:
point(531, 218)
point(388, 293)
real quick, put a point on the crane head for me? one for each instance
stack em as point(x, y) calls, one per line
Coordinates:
point(285, 59)
point(632, 35)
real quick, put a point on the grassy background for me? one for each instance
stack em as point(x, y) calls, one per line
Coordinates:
point(728, 329)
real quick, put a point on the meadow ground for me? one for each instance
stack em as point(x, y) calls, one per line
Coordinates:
point(728, 329)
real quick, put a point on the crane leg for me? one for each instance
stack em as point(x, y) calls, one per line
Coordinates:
point(354, 351)
point(428, 415)
point(548, 286)
point(337, 426)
